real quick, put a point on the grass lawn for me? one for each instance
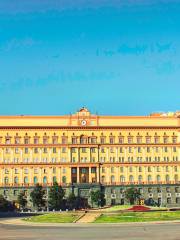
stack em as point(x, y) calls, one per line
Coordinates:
point(54, 218)
point(138, 217)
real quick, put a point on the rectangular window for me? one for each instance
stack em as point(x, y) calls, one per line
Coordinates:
point(54, 150)
point(74, 140)
point(26, 150)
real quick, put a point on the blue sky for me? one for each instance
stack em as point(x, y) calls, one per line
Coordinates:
point(114, 57)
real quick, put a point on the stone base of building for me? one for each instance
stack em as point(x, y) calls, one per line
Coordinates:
point(167, 195)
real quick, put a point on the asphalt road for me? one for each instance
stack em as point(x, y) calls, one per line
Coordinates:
point(165, 231)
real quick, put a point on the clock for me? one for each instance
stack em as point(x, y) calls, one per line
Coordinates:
point(83, 122)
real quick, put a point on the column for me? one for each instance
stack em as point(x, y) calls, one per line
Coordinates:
point(116, 154)
point(69, 155)
point(90, 177)
point(78, 175)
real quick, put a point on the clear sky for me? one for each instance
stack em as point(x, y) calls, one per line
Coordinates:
point(114, 57)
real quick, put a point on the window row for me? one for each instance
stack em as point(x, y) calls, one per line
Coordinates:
point(89, 139)
point(140, 179)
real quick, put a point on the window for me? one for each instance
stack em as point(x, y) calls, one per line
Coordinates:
point(148, 140)
point(121, 150)
point(121, 140)
point(54, 170)
point(167, 178)
point(15, 170)
point(8, 141)
point(149, 178)
point(156, 140)
point(83, 150)
point(139, 149)
point(54, 140)
point(44, 180)
point(25, 180)
point(26, 150)
point(122, 179)
point(26, 141)
point(54, 179)
point(121, 169)
point(158, 178)
point(64, 140)
point(44, 150)
point(17, 140)
point(36, 140)
point(35, 150)
point(54, 150)
point(93, 140)
point(93, 150)
point(45, 140)
point(102, 140)
point(74, 140)
point(64, 179)
point(112, 169)
point(16, 150)
point(111, 140)
point(130, 139)
point(6, 180)
point(174, 149)
point(165, 139)
point(139, 140)
point(63, 150)
point(140, 178)
point(131, 179)
point(112, 179)
point(26, 170)
point(102, 150)
point(16, 180)
point(64, 170)
point(73, 150)
point(35, 180)
point(93, 170)
point(174, 139)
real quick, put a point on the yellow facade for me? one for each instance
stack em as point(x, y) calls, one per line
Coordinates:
point(86, 148)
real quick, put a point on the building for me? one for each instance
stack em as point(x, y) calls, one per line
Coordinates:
point(84, 151)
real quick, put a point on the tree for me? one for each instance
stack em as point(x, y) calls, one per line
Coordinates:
point(22, 200)
point(56, 195)
point(37, 196)
point(97, 197)
point(72, 201)
point(132, 194)
point(3, 204)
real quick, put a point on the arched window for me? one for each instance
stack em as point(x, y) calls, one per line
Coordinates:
point(149, 178)
point(122, 178)
point(35, 180)
point(45, 180)
point(6, 180)
point(83, 139)
point(176, 178)
point(64, 179)
point(167, 178)
point(112, 179)
point(140, 178)
point(16, 180)
point(26, 180)
point(103, 179)
point(158, 178)
point(131, 179)
point(54, 179)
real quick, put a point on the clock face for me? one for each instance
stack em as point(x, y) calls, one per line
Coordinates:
point(83, 122)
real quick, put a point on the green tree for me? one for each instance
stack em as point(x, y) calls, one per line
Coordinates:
point(22, 199)
point(37, 196)
point(72, 201)
point(97, 197)
point(56, 195)
point(132, 194)
point(3, 204)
